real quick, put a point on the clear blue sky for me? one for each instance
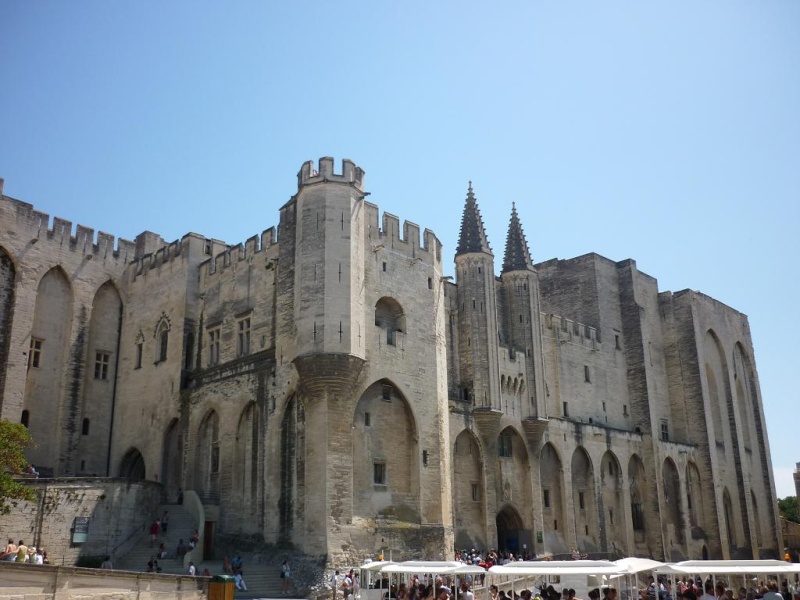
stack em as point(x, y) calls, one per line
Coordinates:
point(667, 132)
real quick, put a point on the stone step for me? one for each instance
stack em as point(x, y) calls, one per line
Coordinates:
point(262, 580)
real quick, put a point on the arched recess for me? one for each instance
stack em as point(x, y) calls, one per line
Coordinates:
point(747, 391)
point(671, 515)
point(386, 455)
point(756, 522)
point(132, 465)
point(207, 459)
point(611, 483)
point(468, 493)
point(99, 375)
point(510, 530)
point(717, 377)
point(551, 474)
point(514, 486)
point(246, 471)
point(729, 521)
point(390, 317)
point(584, 501)
point(172, 460)
point(48, 349)
point(638, 484)
point(292, 472)
point(697, 502)
point(8, 279)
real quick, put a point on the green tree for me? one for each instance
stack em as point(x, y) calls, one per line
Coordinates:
point(788, 508)
point(14, 438)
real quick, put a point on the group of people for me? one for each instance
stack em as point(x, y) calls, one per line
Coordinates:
point(697, 589)
point(347, 583)
point(234, 567)
point(23, 554)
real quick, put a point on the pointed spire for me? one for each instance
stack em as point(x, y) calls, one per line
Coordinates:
point(517, 256)
point(472, 237)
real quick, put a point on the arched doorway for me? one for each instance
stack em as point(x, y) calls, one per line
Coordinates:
point(509, 526)
point(132, 465)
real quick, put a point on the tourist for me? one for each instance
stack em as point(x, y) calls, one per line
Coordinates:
point(164, 522)
point(227, 567)
point(192, 570)
point(335, 581)
point(38, 558)
point(610, 593)
point(10, 552)
point(238, 581)
point(22, 552)
point(708, 594)
point(152, 565)
point(465, 593)
point(106, 564)
point(155, 527)
point(772, 591)
point(285, 576)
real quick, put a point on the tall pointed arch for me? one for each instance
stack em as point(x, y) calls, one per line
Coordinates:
point(172, 459)
point(48, 351)
point(671, 516)
point(469, 498)
point(100, 371)
point(614, 510)
point(246, 461)
point(207, 458)
point(385, 454)
point(551, 474)
point(584, 501)
point(8, 280)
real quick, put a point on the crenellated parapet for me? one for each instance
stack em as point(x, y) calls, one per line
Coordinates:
point(566, 330)
point(230, 256)
point(164, 255)
point(385, 232)
point(324, 173)
point(35, 226)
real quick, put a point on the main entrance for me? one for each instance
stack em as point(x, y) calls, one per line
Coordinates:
point(511, 536)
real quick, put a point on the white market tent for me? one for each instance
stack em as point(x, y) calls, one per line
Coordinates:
point(729, 567)
point(433, 567)
point(633, 565)
point(558, 567)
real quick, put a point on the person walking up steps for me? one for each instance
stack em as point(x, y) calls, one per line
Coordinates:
point(285, 577)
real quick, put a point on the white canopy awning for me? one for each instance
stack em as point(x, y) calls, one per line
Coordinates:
point(725, 567)
point(434, 567)
point(558, 567)
point(375, 565)
point(637, 565)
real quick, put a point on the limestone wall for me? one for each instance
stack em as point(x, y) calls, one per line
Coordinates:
point(34, 582)
point(119, 511)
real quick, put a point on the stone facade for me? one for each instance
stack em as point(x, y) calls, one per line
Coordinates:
point(325, 385)
point(41, 582)
point(119, 512)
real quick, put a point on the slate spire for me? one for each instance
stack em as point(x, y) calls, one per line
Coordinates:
point(517, 256)
point(472, 237)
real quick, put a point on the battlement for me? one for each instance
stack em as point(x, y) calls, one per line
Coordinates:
point(232, 255)
point(35, 225)
point(387, 234)
point(351, 174)
point(566, 330)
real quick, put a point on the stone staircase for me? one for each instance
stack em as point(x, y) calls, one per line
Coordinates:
point(262, 580)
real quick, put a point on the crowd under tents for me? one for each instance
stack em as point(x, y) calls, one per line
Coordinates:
point(592, 573)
